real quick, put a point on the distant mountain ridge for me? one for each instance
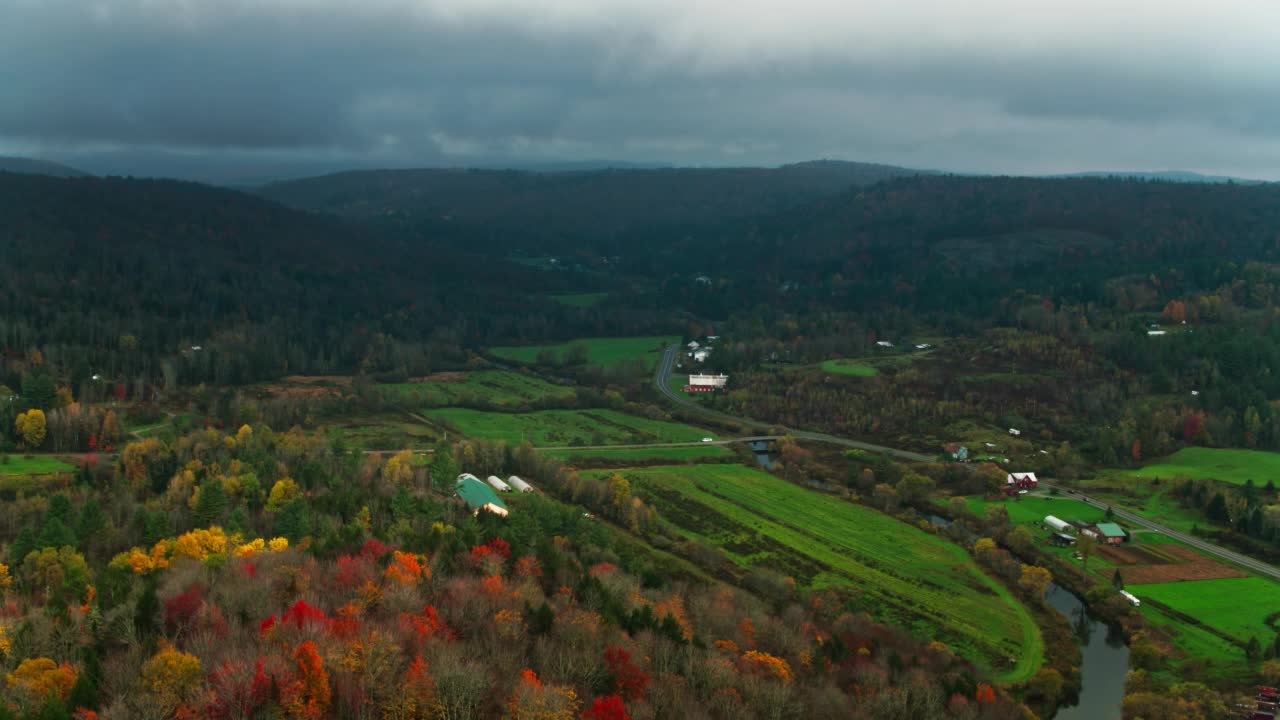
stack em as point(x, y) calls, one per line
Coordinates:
point(32, 166)
point(1181, 176)
point(573, 204)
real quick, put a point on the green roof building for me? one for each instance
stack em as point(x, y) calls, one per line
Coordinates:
point(1111, 533)
point(479, 496)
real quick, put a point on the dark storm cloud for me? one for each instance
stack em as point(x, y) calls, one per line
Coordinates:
point(995, 85)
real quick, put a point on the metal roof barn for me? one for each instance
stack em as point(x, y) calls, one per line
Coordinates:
point(479, 496)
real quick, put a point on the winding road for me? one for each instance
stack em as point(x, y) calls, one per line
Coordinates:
point(667, 364)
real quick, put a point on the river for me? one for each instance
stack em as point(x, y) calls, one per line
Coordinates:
point(1103, 667)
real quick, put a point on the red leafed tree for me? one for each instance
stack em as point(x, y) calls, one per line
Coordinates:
point(984, 694)
point(628, 680)
point(609, 707)
point(305, 694)
point(301, 613)
point(180, 610)
point(236, 692)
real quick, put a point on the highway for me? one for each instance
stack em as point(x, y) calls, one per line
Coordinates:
point(668, 361)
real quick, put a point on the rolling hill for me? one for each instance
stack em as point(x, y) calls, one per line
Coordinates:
point(32, 166)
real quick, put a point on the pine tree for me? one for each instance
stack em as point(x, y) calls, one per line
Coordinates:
point(144, 615)
point(1117, 580)
point(212, 503)
point(1253, 650)
point(92, 520)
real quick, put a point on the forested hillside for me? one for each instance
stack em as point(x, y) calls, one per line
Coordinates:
point(563, 211)
point(125, 277)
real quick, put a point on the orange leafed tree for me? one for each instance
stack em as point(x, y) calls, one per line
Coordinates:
point(42, 678)
point(305, 695)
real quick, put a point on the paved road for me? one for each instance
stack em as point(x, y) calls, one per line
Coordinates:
point(668, 362)
point(663, 373)
point(1243, 561)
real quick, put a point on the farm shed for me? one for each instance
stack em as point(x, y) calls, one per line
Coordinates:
point(1062, 539)
point(1058, 525)
point(496, 483)
point(478, 496)
point(1109, 533)
point(520, 485)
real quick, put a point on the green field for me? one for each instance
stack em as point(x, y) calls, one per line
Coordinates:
point(559, 428)
point(382, 432)
point(482, 387)
point(579, 299)
point(1030, 509)
point(1232, 466)
point(605, 352)
point(849, 367)
point(674, 454)
point(899, 573)
point(16, 465)
point(1236, 606)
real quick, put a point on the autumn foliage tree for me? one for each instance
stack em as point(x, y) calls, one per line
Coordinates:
point(305, 693)
point(31, 427)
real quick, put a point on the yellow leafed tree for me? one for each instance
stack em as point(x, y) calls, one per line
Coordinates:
point(31, 427)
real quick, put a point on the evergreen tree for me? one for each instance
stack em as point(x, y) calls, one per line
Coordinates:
point(91, 521)
point(238, 520)
point(212, 503)
point(1217, 510)
point(55, 534)
point(294, 521)
point(144, 614)
point(1117, 580)
point(22, 546)
point(1253, 650)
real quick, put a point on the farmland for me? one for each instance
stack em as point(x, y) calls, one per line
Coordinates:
point(382, 432)
point(1231, 466)
point(563, 427)
point(1237, 607)
point(900, 573)
point(621, 455)
point(603, 352)
point(482, 387)
point(1033, 509)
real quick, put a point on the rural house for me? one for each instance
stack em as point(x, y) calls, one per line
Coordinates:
point(1022, 481)
point(479, 496)
point(957, 452)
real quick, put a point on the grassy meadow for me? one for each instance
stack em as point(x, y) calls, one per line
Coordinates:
point(559, 428)
point(1231, 466)
point(604, 352)
point(898, 572)
point(854, 368)
point(17, 465)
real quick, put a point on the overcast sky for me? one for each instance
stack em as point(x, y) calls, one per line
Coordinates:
point(1020, 86)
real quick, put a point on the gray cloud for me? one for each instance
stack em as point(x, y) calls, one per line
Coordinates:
point(988, 85)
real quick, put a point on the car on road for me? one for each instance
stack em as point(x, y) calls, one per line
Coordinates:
point(707, 439)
